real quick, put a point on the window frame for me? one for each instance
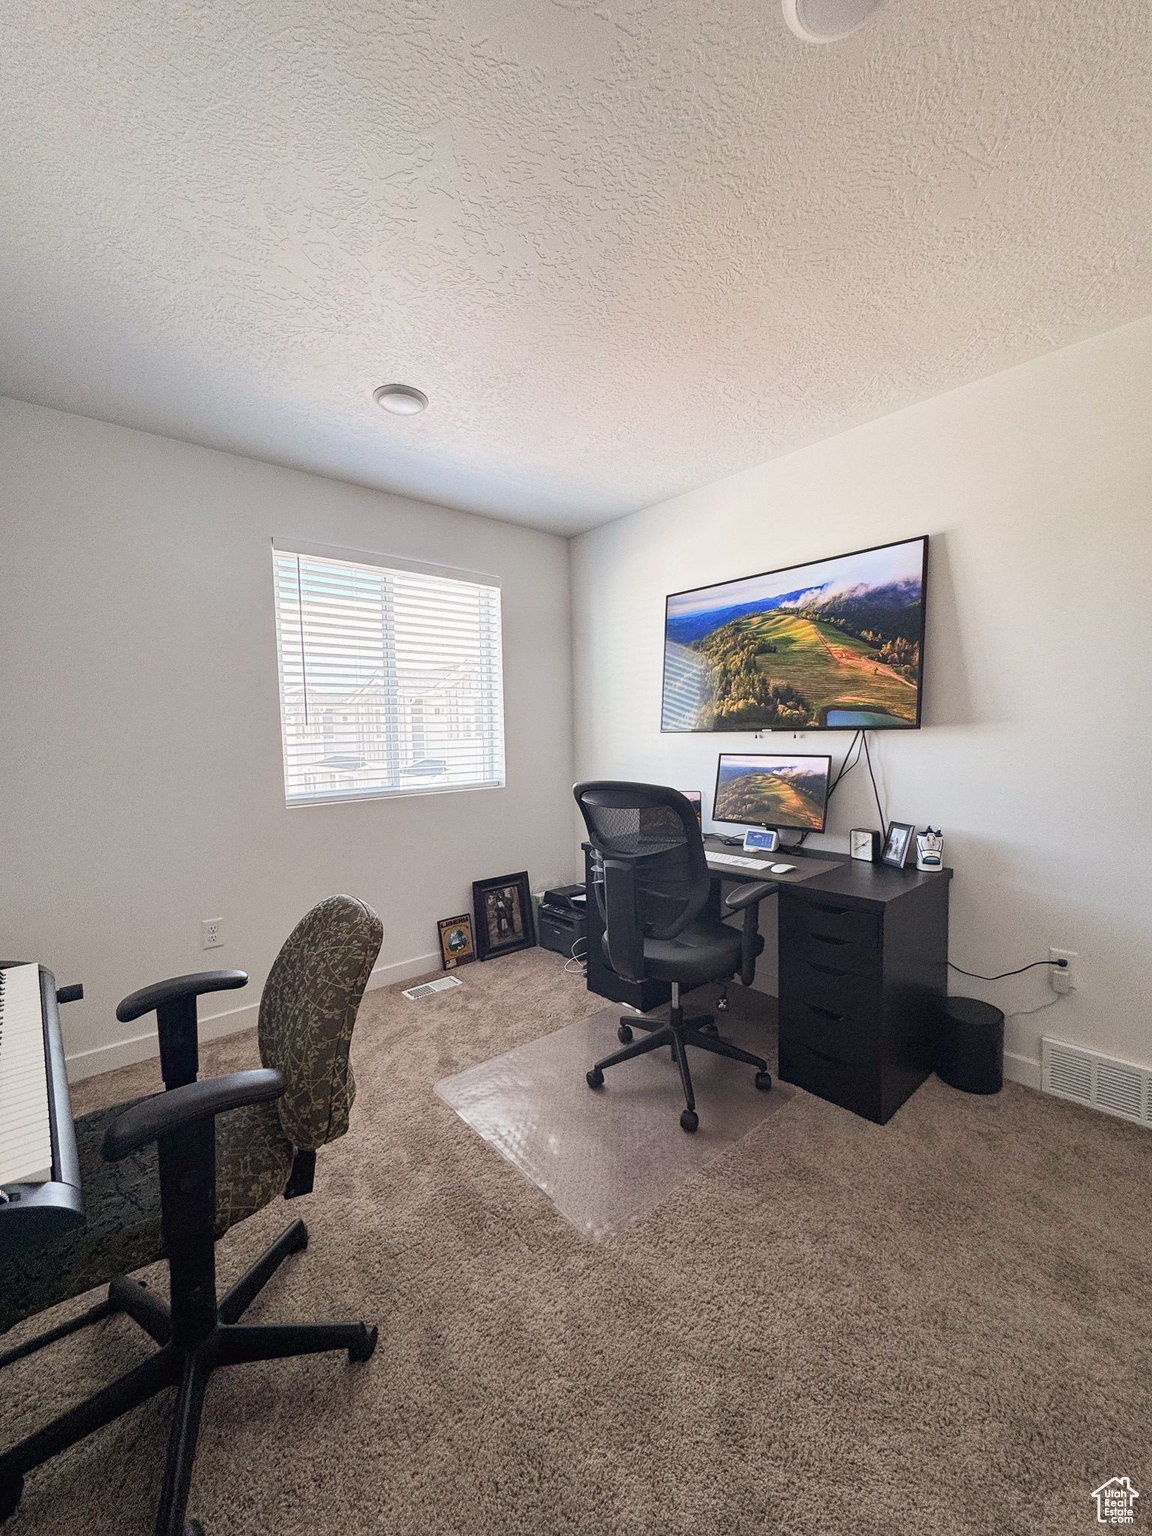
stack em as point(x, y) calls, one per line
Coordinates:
point(306, 549)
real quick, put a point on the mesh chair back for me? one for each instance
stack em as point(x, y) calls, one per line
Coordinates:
point(649, 871)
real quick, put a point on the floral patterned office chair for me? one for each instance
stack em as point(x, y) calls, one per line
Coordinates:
point(147, 1172)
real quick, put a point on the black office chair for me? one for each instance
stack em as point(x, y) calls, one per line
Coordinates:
point(653, 889)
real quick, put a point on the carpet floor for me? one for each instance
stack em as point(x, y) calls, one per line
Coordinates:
point(941, 1325)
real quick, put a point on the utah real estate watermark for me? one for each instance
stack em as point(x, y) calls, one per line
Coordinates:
point(1114, 1500)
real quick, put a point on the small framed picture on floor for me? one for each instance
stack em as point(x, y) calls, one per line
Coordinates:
point(504, 917)
point(456, 947)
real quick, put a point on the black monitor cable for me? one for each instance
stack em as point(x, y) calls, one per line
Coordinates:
point(1017, 1013)
point(847, 766)
point(875, 790)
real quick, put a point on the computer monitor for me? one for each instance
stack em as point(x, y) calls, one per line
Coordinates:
point(696, 801)
point(762, 789)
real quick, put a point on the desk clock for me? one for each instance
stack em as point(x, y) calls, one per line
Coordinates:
point(864, 844)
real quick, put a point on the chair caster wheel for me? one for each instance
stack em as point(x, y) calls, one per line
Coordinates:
point(710, 1030)
point(11, 1490)
point(764, 1081)
point(595, 1078)
point(689, 1120)
point(193, 1528)
point(367, 1348)
point(624, 1034)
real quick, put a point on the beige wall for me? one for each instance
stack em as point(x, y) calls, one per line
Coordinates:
point(141, 784)
point(140, 781)
point(1036, 486)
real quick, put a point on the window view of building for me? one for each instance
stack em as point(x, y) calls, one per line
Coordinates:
point(390, 679)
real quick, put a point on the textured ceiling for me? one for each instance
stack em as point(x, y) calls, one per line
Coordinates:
point(626, 246)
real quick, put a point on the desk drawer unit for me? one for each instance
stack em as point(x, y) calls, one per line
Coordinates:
point(861, 988)
point(821, 918)
point(827, 1029)
point(844, 994)
point(851, 1084)
point(815, 937)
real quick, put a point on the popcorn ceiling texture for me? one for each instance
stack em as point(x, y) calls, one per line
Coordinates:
point(626, 247)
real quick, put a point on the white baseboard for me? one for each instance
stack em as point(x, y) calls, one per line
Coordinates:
point(1022, 1069)
point(122, 1053)
point(105, 1058)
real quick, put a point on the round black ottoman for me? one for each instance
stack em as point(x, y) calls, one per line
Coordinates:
point(971, 1053)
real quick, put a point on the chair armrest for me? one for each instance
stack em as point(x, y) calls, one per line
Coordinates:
point(750, 895)
point(747, 899)
point(177, 989)
point(174, 1003)
point(155, 1117)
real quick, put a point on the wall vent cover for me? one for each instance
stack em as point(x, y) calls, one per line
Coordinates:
point(1101, 1082)
point(427, 988)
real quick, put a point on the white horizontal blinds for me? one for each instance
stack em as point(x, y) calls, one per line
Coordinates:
point(390, 679)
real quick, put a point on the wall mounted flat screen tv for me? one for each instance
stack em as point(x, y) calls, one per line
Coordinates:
point(832, 645)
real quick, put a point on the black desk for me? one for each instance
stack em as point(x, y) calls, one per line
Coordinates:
point(863, 974)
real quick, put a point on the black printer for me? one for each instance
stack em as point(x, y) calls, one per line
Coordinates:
point(563, 921)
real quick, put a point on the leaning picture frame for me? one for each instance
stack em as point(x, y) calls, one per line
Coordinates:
point(504, 921)
point(897, 843)
point(456, 946)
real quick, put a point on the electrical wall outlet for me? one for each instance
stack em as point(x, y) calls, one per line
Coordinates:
point(211, 933)
point(1063, 977)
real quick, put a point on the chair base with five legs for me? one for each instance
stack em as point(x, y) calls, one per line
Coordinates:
point(196, 1332)
point(679, 1033)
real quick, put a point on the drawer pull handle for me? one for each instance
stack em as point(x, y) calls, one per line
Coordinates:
point(826, 1013)
point(822, 906)
point(824, 1056)
point(826, 938)
point(828, 970)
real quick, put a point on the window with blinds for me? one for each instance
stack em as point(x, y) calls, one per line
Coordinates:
point(390, 678)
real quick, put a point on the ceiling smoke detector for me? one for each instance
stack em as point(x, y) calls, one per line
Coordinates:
point(400, 399)
point(826, 21)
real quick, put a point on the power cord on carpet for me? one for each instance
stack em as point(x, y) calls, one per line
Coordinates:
point(577, 965)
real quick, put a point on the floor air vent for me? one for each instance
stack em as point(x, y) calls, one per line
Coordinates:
point(1116, 1087)
point(427, 988)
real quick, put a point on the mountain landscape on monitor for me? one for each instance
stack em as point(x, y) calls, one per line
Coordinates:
point(789, 794)
point(834, 644)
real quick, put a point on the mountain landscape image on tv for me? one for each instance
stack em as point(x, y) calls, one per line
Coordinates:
point(833, 645)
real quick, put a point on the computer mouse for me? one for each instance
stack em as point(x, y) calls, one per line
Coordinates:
point(781, 869)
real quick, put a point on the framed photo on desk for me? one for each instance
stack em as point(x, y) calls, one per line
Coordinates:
point(897, 844)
